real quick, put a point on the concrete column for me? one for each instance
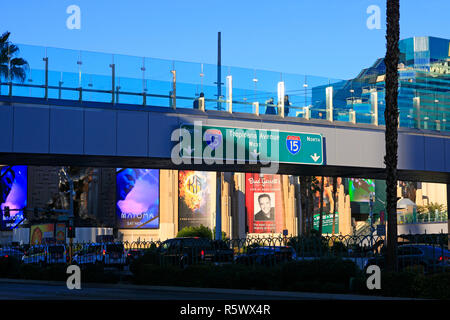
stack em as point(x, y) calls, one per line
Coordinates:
point(416, 106)
point(281, 98)
point(229, 83)
point(306, 113)
point(256, 108)
point(329, 101)
point(374, 107)
point(352, 116)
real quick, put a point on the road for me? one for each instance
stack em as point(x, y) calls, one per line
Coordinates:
point(42, 290)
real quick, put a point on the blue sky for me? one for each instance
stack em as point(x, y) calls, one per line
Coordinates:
point(321, 37)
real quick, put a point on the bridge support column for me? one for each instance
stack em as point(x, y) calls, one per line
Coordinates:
point(352, 116)
point(416, 105)
point(329, 100)
point(256, 108)
point(306, 113)
point(280, 103)
point(374, 107)
point(229, 84)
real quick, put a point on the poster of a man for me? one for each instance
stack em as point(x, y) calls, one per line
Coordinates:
point(266, 203)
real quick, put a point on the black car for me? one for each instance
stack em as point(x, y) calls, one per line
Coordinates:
point(267, 255)
point(424, 257)
point(193, 250)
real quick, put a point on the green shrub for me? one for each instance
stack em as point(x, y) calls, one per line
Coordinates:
point(201, 231)
point(9, 267)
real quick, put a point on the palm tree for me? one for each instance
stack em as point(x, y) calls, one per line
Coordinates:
point(391, 118)
point(11, 66)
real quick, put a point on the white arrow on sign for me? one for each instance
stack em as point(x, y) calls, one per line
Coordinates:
point(315, 157)
point(254, 153)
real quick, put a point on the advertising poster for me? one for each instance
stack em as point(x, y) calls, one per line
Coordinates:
point(13, 194)
point(60, 232)
point(137, 198)
point(360, 189)
point(40, 232)
point(196, 199)
point(263, 200)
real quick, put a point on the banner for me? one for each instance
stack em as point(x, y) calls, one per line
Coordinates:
point(13, 194)
point(263, 200)
point(40, 232)
point(360, 189)
point(137, 196)
point(196, 199)
point(60, 232)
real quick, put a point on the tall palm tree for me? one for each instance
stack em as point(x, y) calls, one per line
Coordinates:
point(391, 118)
point(11, 66)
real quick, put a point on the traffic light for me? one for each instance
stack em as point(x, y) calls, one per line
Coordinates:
point(36, 213)
point(7, 212)
point(70, 232)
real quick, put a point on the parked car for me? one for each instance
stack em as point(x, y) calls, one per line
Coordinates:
point(35, 255)
point(425, 257)
point(46, 254)
point(107, 254)
point(193, 250)
point(10, 252)
point(267, 255)
point(56, 254)
point(133, 254)
point(90, 254)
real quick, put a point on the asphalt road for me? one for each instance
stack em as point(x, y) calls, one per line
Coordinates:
point(42, 290)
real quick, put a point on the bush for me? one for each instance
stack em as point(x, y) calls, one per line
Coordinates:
point(9, 267)
point(319, 274)
point(202, 232)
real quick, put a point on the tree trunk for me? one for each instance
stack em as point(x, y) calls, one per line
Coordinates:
point(391, 118)
point(334, 205)
point(322, 184)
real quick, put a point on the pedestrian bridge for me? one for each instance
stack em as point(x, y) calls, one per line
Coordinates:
point(95, 109)
point(59, 132)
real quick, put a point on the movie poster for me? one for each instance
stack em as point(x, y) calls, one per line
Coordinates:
point(137, 196)
point(40, 232)
point(13, 194)
point(60, 232)
point(263, 200)
point(196, 199)
point(360, 189)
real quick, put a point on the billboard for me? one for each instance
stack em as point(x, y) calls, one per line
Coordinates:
point(13, 194)
point(137, 198)
point(360, 189)
point(264, 204)
point(196, 198)
point(60, 232)
point(40, 232)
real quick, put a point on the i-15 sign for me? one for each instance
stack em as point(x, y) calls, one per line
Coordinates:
point(242, 144)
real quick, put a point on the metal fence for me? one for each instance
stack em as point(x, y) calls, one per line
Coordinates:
point(426, 253)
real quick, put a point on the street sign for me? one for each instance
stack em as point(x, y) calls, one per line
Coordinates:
point(253, 145)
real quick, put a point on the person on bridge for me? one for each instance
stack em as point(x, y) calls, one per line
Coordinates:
point(197, 100)
point(286, 105)
point(270, 107)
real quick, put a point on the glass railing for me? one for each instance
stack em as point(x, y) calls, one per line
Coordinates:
point(424, 100)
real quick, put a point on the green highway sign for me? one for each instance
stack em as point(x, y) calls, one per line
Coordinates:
point(242, 144)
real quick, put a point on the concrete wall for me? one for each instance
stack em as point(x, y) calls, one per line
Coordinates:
point(421, 228)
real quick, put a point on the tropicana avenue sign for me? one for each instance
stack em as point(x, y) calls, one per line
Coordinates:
point(240, 145)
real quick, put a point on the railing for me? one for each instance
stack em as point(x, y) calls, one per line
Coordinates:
point(429, 252)
point(117, 79)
